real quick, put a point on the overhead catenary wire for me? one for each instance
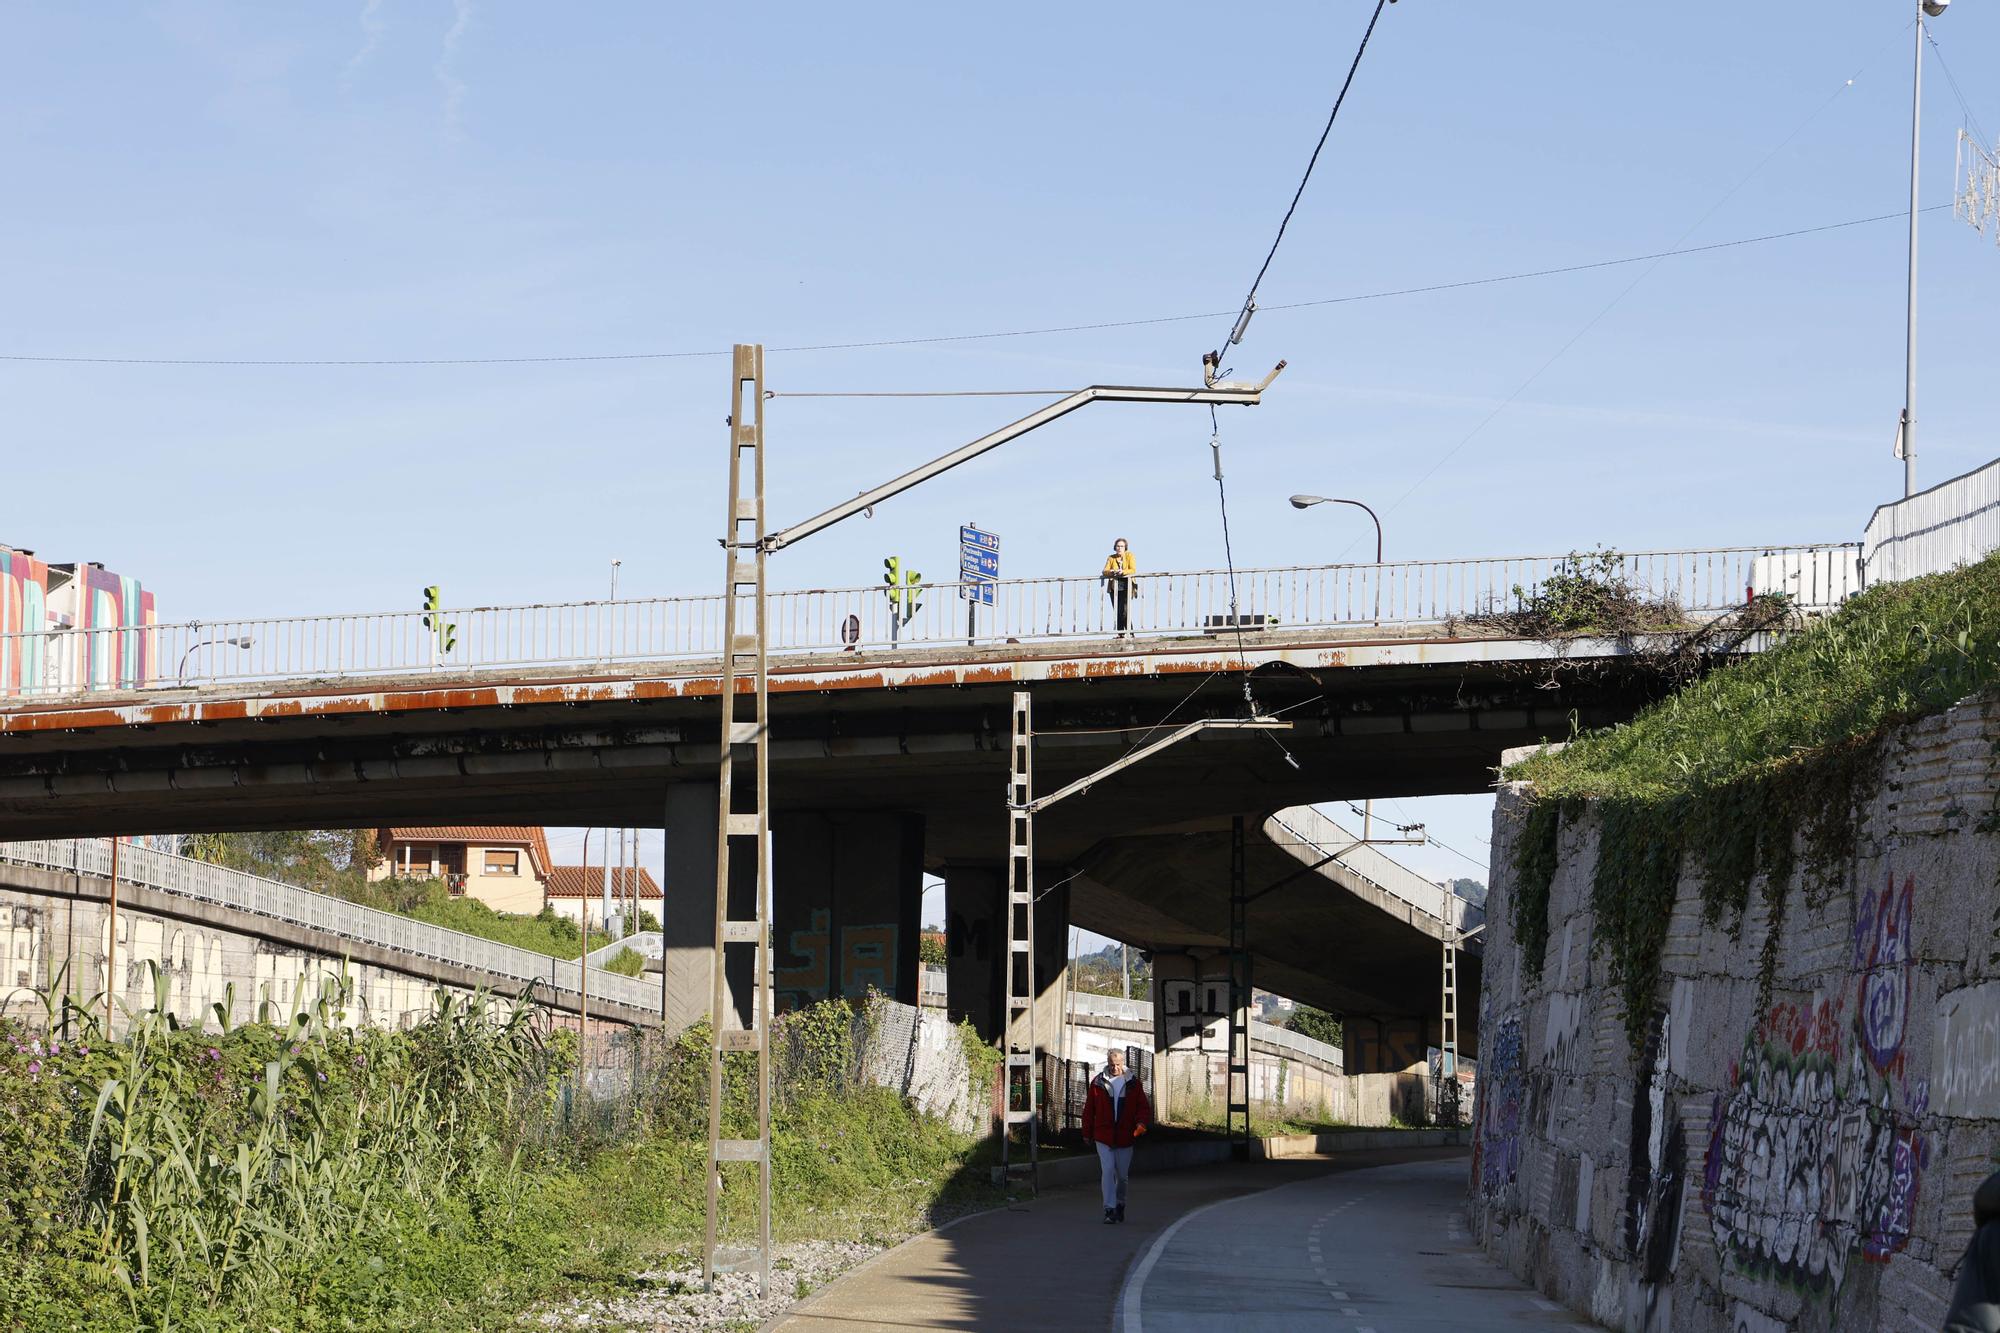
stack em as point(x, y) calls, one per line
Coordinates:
point(1385, 294)
point(1249, 306)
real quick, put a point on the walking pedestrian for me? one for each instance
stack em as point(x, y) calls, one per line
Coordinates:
point(1116, 1115)
point(1120, 584)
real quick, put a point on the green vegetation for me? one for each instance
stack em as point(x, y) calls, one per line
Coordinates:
point(1100, 973)
point(930, 948)
point(1317, 1024)
point(626, 963)
point(1586, 593)
point(336, 861)
point(1759, 770)
point(307, 1176)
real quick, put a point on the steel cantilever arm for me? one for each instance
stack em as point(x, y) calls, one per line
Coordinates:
point(1247, 395)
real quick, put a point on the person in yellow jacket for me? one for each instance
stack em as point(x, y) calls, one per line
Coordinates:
point(1120, 574)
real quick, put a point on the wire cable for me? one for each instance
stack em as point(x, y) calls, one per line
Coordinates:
point(1250, 300)
point(1963, 105)
point(991, 335)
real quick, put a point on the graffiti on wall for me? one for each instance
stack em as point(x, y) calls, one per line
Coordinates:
point(1882, 962)
point(1814, 1153)
point(24, 590)
point(1658, 1165)
point(1497, 1145)
point(867, 958)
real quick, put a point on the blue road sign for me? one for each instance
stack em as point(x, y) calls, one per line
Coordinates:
point(978, 563)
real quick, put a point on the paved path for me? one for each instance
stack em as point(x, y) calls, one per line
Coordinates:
point(1051, 1263)
point(1377, 1251)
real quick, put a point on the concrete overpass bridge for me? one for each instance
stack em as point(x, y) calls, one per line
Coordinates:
point(889, 742)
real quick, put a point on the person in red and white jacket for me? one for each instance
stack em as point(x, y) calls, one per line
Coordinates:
point(1116, 1114)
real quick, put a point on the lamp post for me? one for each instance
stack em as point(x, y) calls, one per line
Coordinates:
point(1308, 501)
point(1906, 434)
point(238, 641)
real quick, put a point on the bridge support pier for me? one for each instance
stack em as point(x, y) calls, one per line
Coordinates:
point(976, 948)
point(1191, 995)
point(848, 890)
point(1372, 1044)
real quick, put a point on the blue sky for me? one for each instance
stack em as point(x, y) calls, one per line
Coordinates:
point(407, 180)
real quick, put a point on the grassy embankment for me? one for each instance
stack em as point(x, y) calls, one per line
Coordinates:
point(547, 932)
point(1755, 772)
point(310, 1177)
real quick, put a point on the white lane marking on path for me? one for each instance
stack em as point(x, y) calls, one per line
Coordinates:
point(1541, 1304)
point(1131, 1316)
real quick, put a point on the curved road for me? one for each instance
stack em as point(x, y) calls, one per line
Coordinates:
point(1363, 1243)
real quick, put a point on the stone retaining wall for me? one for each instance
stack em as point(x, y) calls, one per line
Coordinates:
point(1803, 1160)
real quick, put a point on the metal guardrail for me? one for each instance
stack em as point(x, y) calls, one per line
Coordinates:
point(1082, 1004)
point(295, 906)
point(819, 620)
point(1321, 836)
point(1953, 523)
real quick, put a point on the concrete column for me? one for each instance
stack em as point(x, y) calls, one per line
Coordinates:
point(975, 940)
point(1190, 995)
point(1375, 1044)
point(849, 890)
point(689, 922)
point(976, 948)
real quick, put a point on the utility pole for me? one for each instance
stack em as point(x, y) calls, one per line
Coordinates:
point(747, 548)
point(111, 953)
point(1906, 434)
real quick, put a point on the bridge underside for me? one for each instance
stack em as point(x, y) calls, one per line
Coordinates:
point(919, 740)
point(1312, 937)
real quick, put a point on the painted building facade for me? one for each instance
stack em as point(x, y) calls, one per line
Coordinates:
point(68, 626)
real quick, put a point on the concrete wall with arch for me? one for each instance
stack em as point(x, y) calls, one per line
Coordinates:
point(1802, 1157)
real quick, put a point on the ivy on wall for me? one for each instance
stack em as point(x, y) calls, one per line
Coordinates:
point(1750, 779)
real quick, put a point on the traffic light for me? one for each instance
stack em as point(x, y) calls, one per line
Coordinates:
point(903, 586)
point(445, 633)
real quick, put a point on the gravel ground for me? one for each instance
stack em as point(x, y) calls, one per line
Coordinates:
point(673, 1299)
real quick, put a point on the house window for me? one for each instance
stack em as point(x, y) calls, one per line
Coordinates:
point(503, 863)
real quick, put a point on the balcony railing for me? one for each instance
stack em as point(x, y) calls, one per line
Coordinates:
point(834, 620)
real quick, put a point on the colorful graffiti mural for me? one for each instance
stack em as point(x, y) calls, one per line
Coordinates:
point(1882, 959)
point(24, 590)
point(1497, 1146)
point(1811, 1159)
point(867, 958)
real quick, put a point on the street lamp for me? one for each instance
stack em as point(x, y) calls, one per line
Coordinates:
point(239, 641)
point(1308, 501)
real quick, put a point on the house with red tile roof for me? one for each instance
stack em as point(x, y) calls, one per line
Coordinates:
point(578, 891)
point(507, 867)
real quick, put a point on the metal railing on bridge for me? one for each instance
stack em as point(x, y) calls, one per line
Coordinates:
point(57, 663)
point(509, 967)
